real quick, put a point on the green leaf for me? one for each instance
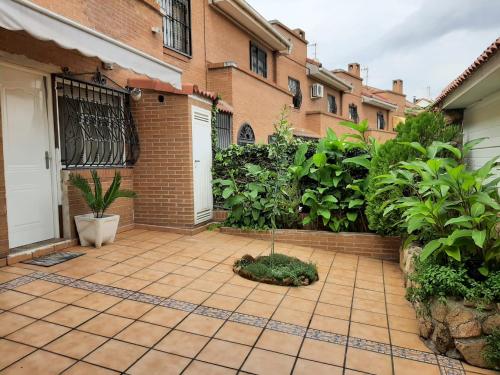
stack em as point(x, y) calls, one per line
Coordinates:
point(352, 216)
point(358, 160)
point(324, 212)
point(417, 146)
point(477, 209)
point(356, 203)
point(306, 220)
point(429, 249)
point(458, 220)
point(453, 252)
point(479, 236)
point(319, 159)
point(227, 192)
point(483, 270)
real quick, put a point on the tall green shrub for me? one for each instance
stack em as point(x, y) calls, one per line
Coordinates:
point(423, 128)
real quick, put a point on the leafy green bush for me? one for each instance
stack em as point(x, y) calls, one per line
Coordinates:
point(425, 128)
point(434, 280)
point(450, 207)
point(278, 268)
point(491, 351)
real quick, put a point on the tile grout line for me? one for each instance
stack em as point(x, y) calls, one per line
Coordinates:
point(350, 316)
point(387, 320)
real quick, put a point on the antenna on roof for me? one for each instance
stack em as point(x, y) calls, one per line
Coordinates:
point(366, 77)
point(428, 91)
point(315, 45)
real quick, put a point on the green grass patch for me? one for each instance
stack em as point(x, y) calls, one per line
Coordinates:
point(277, 269)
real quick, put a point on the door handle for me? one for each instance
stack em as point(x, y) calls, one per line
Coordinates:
point(196, 161)
point(47, 160)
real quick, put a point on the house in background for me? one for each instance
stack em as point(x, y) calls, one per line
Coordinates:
point(473, 99)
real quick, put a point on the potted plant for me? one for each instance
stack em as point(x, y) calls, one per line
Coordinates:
point(97, 228)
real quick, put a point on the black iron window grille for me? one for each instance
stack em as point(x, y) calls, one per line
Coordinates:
point(258, 60)
point(224, 126)
point(96, 128)
point(353, 113)
point(332, 104)
point(246, 135)
point(380, 121)
point(294, 88)
point(177, 25)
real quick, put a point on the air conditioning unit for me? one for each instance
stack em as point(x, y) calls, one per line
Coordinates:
point(317, 90)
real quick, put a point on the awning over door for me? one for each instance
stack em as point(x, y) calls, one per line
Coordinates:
point(46, 25)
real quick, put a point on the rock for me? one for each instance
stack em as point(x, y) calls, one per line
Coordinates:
point(425, 327)
point(247, 258)
point(471, 350)
point(441, 338)
point(439, 310)
point(490, 323)
point(462, 322)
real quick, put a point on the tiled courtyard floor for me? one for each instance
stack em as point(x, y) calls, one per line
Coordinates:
point(161, 303)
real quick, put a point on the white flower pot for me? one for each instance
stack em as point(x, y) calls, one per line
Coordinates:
point(96, 231)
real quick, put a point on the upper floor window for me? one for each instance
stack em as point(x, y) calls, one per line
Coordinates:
point(177, 25)
point(258, 60)
point(332, 104)
point(294, 88)
point(246, 135)
point(353, 113)
point(380, 121)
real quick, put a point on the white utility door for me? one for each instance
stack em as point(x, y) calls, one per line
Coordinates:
point(202, 164)
point(27, 156)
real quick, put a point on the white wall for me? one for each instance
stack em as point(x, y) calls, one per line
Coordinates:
point(483, 120)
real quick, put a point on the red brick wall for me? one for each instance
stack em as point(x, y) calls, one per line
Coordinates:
point(363, 244)
point(163, 175)
point(122, 206)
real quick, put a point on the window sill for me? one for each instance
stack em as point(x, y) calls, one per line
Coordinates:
point(176, 54)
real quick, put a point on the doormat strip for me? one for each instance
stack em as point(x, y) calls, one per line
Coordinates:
point(52, 259)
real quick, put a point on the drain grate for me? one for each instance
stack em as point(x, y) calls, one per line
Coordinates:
point(52, 259)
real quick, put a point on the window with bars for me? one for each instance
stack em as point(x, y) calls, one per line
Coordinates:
point(258, 60)
point(353, 113)
point(246, 135)
point(332, 104)
point(224, 126)
point(177, 25)
point(380, 121)
point(96, 127)
point(294, 88)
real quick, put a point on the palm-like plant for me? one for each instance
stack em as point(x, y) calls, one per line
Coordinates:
point(96, 201)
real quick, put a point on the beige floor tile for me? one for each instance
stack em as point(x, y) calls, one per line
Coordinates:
point(122, 269)
point(205, 285)
point(368, 317)
point(224, 353)
point(176, 280)
point(182, 343)
point(12, 351)
point(223, 302)
point(408, 367)
point(159, 363)
point(202, 325)
point(38, 287)
point(279, 342)
point(305, 293)
point(164, 266)
point(240, 333)
point(300, 304)
point(264, 362)
point(130, 309)
point(191, 295)
point(368, 332)
point(131, 283)
point(149, 275)
point(333, 311)
point(67, 294)
point(369, 294)
point(75, 344)
point(234, 290)
point(263, 296)
point(323, 352)
point(328, 324)
point(408, 340)
point(141, 333)
point(116, 355)
point(105, 325)
point(197, 367)
point(104, 278)
point(164, 316)
point(10, 299)
point(190, 271)
point(290, 316)
point(38, 308)
point(256, 309)
point(401, 311)
point(71, 316)
point(403, 324)
point(161, 290)
point(373, 363)
point(305, 367)
point(38, 334)
point(97, 301)
point(368, 305)
point(82, 368)
point(10, 322)
point(336, 299)
point(39, 362)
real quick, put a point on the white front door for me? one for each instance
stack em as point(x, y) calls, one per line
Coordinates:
point(27, 156)
point(202, 164)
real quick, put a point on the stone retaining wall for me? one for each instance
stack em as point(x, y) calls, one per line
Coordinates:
point(453, 327)
point(364, 244)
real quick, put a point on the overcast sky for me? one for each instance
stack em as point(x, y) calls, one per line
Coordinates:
point(427, 43)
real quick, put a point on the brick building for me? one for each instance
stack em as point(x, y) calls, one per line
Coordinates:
point(129, 85)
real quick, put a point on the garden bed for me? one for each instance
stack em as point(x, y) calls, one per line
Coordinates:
point(277, 269)
point(363, 244)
